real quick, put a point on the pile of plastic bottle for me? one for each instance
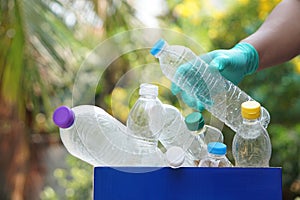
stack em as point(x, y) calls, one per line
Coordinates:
point(158, 135)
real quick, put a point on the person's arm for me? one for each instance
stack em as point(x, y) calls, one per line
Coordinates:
point(278, 39)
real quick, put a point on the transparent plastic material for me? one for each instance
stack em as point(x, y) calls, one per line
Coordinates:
point(251, 146)
point(146, 119)
point(211, 134)
point(216, 156)
point(193, 142)
point(198, 148)
point(202, 135)
point(175, 132)
point(213, 160)
point(218, 95)
point(101, 140)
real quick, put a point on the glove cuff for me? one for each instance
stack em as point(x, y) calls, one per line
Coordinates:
point(251, 54)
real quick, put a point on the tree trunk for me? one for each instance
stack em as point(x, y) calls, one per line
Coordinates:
point(21, 173)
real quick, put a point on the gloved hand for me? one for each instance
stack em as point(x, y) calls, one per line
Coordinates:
point(187, 99)
point(234, 64)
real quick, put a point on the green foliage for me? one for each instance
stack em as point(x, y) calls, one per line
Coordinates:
point(11, 57)
point(285, 143)
point(276, 89)
point(40, 57)
point(76, 181)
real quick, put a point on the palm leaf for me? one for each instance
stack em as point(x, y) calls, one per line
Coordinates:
point(39, 54)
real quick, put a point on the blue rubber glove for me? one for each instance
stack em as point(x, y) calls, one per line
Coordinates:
point(234, 64)
point(187, 99)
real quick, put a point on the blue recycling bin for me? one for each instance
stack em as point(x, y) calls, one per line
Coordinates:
point(187, 183)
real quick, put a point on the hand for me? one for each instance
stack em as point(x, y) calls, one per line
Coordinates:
point(234, 64)
point(187, 99)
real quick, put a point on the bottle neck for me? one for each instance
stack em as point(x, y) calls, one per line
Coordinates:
point(250, 128)
point(251, 121)
point(200, 131)
point(148, 96)
point(162, 50)
point(216, 156)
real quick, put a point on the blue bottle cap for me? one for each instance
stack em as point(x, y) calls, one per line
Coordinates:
point(158, 46)
point(194, 121)
point(63, 117)
point(217, 148)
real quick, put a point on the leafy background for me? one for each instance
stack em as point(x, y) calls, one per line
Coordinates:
point(44, 42)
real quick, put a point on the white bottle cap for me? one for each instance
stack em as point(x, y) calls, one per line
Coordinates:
point(175, 156)
point(148, 89)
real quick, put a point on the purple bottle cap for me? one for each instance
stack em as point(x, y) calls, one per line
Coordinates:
point(63, 117)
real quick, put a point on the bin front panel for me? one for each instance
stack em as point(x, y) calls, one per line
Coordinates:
point(188, 184)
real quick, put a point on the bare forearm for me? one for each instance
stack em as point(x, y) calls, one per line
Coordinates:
point(278, 39)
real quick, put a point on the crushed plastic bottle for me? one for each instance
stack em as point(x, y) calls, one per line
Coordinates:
point(218, 95)
point(251, 146)
point(91, 134)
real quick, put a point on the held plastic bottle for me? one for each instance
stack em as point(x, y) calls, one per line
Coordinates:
point(216, 156)
point(218, 95)
point(202, 135)
point(91, 134)
point(251, 146)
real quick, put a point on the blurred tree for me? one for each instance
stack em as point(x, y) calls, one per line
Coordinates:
point(42, 46)
point(76, 181)
point(38, 57)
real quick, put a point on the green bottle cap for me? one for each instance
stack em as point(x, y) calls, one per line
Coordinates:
point(194, 121)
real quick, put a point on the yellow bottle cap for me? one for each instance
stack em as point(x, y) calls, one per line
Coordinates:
point(250, 110)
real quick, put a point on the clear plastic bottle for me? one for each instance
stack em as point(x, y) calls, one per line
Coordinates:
point(218, 95)
point(175, 132)
point(251, 146)
point(146, 119)
point(216, 156)
point(202, 135)
point(91, 134)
